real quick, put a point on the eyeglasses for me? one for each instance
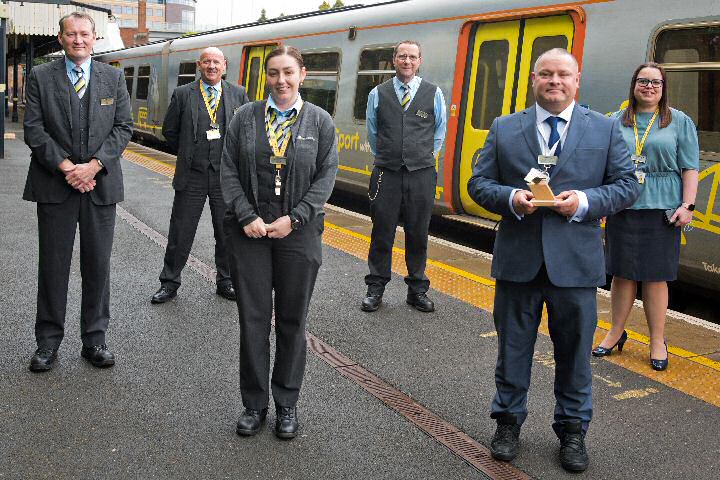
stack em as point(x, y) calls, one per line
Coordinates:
point(644, 82)
point(404, 57)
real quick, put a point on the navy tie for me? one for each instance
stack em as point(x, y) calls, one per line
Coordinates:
point(554, 135)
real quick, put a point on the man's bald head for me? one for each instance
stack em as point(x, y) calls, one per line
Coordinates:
point(211, 51)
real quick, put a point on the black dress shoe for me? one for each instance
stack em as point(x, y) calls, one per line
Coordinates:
point(43, 359)
point(573, 455)
point(98, 355)
point(420, 301)
point(286, 422)
point(250, 421)
point(505, 444)
point(164, 294)
point(226, 291)
point(371, 302)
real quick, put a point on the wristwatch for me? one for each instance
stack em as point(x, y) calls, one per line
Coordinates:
point(100, 163)
point(295, 222)
point(689, 206)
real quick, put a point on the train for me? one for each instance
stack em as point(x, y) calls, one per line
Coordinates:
point(480, 53)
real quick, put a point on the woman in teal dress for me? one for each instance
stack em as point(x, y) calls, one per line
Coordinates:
point(641, 246)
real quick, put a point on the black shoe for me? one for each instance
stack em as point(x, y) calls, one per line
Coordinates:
point(98, 355)
point(371, 302)
point(43, 359)
point(164, 294)
point(226, 291)
point(604, 352)
point(505, 444)
point(286, 422)
point(573, 455)
point(420, 301)
point(660, 365)
point(250, 421)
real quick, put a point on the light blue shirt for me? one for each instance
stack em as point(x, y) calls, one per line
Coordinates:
point(284, 113)
point(217, 86)
point(439, 110)
point(69, 67)
point(543, 134)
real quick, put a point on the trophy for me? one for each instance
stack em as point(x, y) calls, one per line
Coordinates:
point(538, 183)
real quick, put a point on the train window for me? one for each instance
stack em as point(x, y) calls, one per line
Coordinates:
point(186, 73)
point(254, 77)
point(490, 86)
point(143, 83)
point(129, 74)
point(375, 68)
point(320, 85)
point(540, 46)
point(691, 57)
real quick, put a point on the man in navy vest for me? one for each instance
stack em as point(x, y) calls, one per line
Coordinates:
point(194, 129)
point(406, 122)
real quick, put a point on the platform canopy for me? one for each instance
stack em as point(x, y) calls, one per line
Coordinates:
point(41, 18)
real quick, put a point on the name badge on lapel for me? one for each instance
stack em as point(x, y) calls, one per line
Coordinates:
point(421, 114)
point(107, 101)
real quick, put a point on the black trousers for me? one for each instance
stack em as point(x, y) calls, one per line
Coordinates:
point(57, 223)
point(186, 212)
point(289, 267)
point(395, 193)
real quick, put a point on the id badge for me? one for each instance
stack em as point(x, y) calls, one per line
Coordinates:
point(638, 159)
point(547, 160)
point(640, 176)
point(278, 161)
point(213, 134)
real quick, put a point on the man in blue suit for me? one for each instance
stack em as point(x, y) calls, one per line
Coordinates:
point(550, 255)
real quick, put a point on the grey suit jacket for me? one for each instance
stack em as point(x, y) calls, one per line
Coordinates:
point(48, 131)
point(594, 159)
point(180, 124)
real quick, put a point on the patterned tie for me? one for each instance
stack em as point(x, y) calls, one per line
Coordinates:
point(554, 135)
point(80, 85)
point(212, 93)
point(281, 124)
point(406, 96)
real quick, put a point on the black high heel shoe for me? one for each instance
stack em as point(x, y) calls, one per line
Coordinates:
point(604, 352)
point(660, 365)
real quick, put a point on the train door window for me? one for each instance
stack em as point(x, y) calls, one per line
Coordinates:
point(376, 67)
point(186, 73)
point(490, 83)
point(254, 75)
point(129, 77)
point(143, 83)
point(541, 45)
point(253, 78)
point(691, 57)
point(321, 83)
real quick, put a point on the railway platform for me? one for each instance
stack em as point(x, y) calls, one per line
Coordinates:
point(394, 394)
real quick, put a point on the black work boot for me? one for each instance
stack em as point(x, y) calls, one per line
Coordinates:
point(505, 444)
point(573, 455)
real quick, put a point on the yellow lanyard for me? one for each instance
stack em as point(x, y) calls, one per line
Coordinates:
point(212, 112)
point(639, 144)
point(273, 135)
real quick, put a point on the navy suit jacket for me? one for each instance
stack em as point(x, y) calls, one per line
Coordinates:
point(594, 159)
point(48, 131)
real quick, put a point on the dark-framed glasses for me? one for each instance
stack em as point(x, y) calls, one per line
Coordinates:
point(644, 82)
point(404, 57)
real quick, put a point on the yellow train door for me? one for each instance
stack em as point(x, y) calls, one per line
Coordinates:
point(254, 81)
point(500, 63)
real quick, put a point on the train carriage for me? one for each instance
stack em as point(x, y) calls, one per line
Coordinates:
point(480, 53)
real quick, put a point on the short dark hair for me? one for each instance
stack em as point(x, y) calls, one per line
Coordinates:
point(407, 42)
point(664, 105)
point(77, 15)
point(285, 50)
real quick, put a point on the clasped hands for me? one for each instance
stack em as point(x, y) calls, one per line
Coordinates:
point(566, 203)
point(280, 228)
point(81, 177)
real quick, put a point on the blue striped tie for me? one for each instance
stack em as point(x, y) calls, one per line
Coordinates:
point(79, 85)
point(213, 97)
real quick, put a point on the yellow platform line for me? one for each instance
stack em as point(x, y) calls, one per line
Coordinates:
point(695, 376)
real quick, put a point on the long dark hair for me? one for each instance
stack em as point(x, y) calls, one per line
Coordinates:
point(285, 50)
point(664, 105)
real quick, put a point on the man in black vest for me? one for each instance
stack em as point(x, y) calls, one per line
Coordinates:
point(406, 122)
point(77, 124)
point(194, 128)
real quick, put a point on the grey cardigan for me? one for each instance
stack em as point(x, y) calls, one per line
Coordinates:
point(310, 175)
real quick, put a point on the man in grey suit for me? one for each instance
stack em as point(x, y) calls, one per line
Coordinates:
point(77, 124)
point(550, 255)
point(194, 128)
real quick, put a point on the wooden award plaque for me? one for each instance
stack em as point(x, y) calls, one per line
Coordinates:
point(544, 197)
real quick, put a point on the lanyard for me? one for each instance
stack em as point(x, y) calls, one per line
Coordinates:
point(275, 135)
point(212, 112)
point(547, 149)
point(639, 144)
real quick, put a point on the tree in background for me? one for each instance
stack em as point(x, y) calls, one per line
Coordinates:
point(338, 4)
point(263, 16)
point(324, 6)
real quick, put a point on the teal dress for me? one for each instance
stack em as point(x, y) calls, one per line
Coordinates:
point(639, 245)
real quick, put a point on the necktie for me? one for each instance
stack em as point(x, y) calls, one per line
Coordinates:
point(406, 96)
point(80, 85)
point(281, 124)
point(212, 93)
point(554, 134)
